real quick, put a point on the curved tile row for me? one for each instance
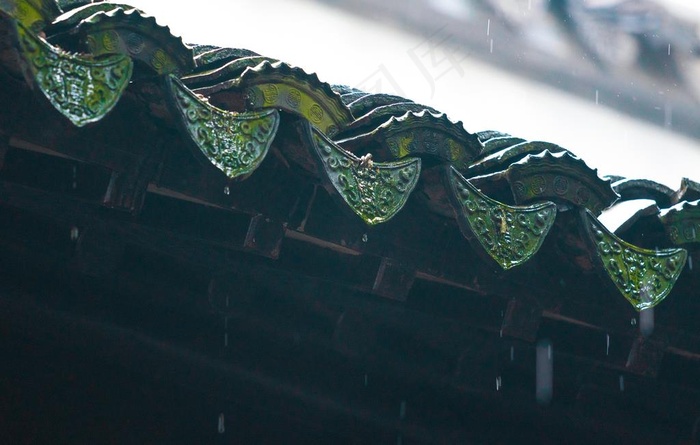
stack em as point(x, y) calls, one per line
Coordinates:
point(369, 149)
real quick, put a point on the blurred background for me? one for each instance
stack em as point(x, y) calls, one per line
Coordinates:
point(616, 82)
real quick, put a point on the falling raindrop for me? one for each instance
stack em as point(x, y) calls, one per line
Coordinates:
point(221, 428)
point(500, 333)
point(491, 46)
point(646, 322)
point(488, 27)
point(622, 383)
point(544, 372)
point(607, 344)
point(498, 383)
point(226, 330)
point(227, 191)
point(512, 354)
point(596, 97)
point(669, 49)
point(633, 322)
point(690, 258)
point(668, 115)
point(364, 238)
point(74, 233)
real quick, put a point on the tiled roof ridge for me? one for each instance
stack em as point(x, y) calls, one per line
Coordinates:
point(418, 150)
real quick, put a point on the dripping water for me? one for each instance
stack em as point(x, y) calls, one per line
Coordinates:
point(646, 322)
point(544, 372)
point(221, 427)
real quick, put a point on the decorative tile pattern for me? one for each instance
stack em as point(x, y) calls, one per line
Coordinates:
point(236, 143)
point(82, 89)
point(509, 235)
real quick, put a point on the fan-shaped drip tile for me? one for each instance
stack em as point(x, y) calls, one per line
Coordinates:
point(562, 178)
point(236, 143)
point(374, 191)
point(682, 222)
point(644, 277)
point(424, 134)
point(35, 15)
point(139, 36)
point(510, 235)
point(82, 89)
point(278, 85)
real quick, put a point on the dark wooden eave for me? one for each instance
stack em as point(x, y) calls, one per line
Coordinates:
point(145, 294)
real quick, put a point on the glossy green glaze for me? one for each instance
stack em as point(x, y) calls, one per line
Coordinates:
point(34, 14)
point(496, 160)
point(509, 235)
point(561, 178)
point(427, 134)
point(644, 277)
point(131, 32)
point(82, 89)
point(682, 222)
point(374, 191)
point(236, 143)
point(278, 85)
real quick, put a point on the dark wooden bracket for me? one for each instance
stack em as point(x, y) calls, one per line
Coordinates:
point(127, 189)
point(645, 357)
point(264, 236)
point(393, 280)
point(522, 320)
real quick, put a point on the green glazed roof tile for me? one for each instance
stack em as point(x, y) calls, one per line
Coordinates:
point(644, 277)
point(82, 89)
point(235, 143)
point(510, 235)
